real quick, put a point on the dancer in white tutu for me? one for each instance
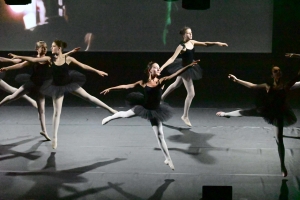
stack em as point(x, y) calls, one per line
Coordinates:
point(148, 106)
point(186, 49)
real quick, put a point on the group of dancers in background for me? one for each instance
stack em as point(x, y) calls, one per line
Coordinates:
point(51, 77)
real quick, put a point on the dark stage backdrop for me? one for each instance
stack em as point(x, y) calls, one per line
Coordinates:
point(137, 25)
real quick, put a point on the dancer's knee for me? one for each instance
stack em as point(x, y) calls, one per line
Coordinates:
point(56, 113)
point(191, 94)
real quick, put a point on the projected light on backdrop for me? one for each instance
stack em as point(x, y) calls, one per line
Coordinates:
point(135, 25)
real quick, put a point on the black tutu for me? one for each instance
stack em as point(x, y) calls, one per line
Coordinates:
point(24, 79)
point(195, 72)
point(76, 81)
point(2, 75)
point(136, 101)
point(272, 115)
point(273, 107)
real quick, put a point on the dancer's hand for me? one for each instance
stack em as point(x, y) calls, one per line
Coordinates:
point(289, 55)
point(13, 56)
point(232, 77)
point(194, 63)
point(221, 44)
point(75, 50)
point(105, 91)
point(101, 73)
point(3, 69)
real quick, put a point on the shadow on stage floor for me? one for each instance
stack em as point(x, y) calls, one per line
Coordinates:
point(121, 160)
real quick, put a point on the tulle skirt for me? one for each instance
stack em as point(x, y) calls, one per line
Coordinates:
point(77, 80)
point(274, 115)
point(136, 101)
point(195, 72)
point(32, 85)
point(2, 75)
point(272, 106)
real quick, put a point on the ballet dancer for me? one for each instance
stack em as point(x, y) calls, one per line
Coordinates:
point(186, 49)
point(7, 88)
point(64, 80)
point(42, 72)
point(149, 107)
point(273, 108)
point(294, 55)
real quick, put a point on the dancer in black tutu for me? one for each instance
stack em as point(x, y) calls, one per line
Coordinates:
point(7, 88)
point(64, 80)
point(148, 106)
point(186, 49)
point(273, 108)
point(294, 55)
point(42, 74)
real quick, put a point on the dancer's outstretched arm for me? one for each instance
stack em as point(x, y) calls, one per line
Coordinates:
point(292, 55)
point(2, 59)
point(85, 67)
point(14, 67)
point(72, 51)
point(128, 86)
point(31, 59)
point(208, 44)
point(292, 82)
point(295, 86)
point(247, 84)
point(166, 78)
point(39, 59)
point(174, 56)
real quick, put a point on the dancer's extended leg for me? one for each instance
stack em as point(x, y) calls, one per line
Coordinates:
point(21, 93)
point(189, 86)
point(239, 113)
point(172, 87)
point(280, 145)
point(57, 106)
point(120, 114)
point(80, 92)
point(41, 110)
point(158, 130)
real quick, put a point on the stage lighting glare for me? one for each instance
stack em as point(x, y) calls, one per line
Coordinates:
point(18, 8)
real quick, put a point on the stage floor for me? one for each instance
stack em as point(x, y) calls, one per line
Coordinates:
point(121, 160)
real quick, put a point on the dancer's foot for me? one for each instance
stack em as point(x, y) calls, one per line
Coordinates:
point(284, 171)
point(222, 114)
point(45, 135)
point(54, 143)
point(186, 121)
point(171, 165)
point(166, 162)
point(105, 120)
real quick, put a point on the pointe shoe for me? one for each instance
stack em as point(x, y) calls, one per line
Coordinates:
point(284, 172)
point(186, 121)
point(105, 120)
point(222, 114)
point(166, 162)
point(54, 143)
point(171, 165)
point(45, 135)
